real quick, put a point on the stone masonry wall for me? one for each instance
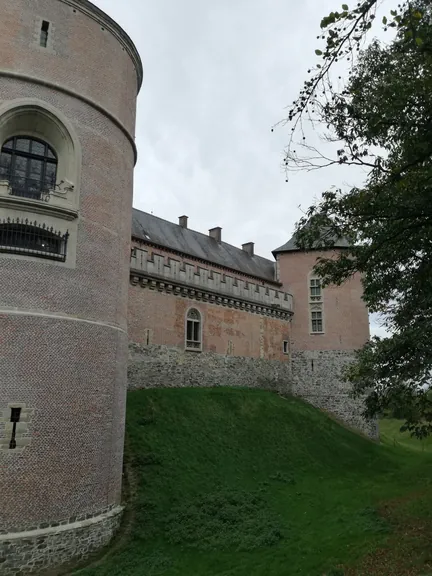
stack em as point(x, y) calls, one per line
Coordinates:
point(43, 549)
point(317, 379)
point(159, 366)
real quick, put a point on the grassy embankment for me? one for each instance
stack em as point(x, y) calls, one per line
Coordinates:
point(246, 483)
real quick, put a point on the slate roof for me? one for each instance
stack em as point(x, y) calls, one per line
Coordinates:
point(155, 230)
point(291, 245)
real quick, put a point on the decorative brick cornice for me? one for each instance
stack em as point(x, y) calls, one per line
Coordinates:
point(176, 288)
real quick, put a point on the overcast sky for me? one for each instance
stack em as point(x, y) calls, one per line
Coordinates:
point(217, 75)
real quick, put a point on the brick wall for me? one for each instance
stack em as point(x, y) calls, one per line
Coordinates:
point(239, 348)
point(251, 335)
point(82, 54)
point(345, 313)
point(63, 330)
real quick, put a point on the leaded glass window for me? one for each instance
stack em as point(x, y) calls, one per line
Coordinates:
point(29, 165)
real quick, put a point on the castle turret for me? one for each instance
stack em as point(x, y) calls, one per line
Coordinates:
point(69, 77)
point(328, 325)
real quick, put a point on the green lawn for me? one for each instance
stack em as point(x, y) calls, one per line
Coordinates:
point(391, 434)
point(233, 482)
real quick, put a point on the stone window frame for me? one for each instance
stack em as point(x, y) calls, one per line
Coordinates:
point(193, 345)
point(37, 119)
point(315, 303)
point(22, 436)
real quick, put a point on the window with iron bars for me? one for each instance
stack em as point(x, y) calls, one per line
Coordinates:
point(193, 330)
point(30, 167)
point(32, 239)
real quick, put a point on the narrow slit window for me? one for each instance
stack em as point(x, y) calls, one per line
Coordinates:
point(15, 418)
point(286, 347)
point(44, 34)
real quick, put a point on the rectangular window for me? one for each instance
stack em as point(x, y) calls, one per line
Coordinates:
point(44, 34)
point(285, 347)
point(317, 321)
point(315, 291)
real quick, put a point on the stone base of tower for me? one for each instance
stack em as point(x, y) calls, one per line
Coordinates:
point(317, 379)
point(47, 548)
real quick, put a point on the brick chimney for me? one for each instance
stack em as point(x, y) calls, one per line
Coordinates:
point(216, 233)
point(183, 221)
point(248, 248)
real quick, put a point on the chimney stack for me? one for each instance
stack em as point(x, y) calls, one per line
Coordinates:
point(216, 233)
point(183, 221)
point(248, 248)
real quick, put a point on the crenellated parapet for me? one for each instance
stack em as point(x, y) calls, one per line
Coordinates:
point(159, 272)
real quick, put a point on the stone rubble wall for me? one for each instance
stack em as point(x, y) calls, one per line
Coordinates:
point(320, 384)
point(317, 379)
point(158, 366)
point(45, 549)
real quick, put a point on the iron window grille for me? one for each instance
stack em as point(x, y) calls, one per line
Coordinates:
point(30, 167)
point(33, 239)
point(193, 330)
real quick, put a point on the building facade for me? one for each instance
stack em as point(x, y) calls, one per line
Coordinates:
point(66, 177)
point(205, 313)
point(76, 287)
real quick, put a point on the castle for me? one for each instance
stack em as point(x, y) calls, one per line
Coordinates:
point(95, 296)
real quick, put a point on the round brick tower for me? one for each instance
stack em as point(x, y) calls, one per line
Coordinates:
point(69, 78)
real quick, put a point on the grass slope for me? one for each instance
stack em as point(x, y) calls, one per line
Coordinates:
point(391, 434)
point(234, 482)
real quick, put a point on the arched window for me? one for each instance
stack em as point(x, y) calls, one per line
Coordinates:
point(32, 239)
point(30, 166)
point(193, 330)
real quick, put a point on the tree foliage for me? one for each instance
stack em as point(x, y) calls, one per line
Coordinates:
point(382, 120)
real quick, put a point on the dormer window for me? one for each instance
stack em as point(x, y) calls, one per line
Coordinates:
point(30, 167)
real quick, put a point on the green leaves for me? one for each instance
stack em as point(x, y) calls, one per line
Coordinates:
point(345, 7)
point(318, 52)
point(384, 20)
